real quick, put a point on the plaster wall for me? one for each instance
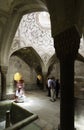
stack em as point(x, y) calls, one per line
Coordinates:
point(55, 71)
point(79, 79)
point(29, 75)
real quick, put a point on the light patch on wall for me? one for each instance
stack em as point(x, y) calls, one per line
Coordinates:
point(17, 76)
point(39, 77)
point(79, 123)
point(44, 19)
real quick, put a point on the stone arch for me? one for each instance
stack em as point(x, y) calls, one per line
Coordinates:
point(25, 7)
point(53, 60)
point(30, 56)
point(24, 57)
point(8, 37)
point(13, 22)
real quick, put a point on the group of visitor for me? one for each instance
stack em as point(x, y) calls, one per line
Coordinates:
point(53, 87)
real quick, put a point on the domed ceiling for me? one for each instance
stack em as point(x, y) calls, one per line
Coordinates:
point(35, 31)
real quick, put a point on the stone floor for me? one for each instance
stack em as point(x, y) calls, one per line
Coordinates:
point(49, 112)
point(39, 103)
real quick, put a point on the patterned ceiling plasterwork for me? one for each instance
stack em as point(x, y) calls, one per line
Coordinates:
point(30, 33)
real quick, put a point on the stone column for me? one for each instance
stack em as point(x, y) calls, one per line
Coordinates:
point(44, 80)
point(3, 82)
point(0, 85)
point(66, 45)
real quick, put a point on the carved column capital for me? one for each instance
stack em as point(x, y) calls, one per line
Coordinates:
point(67, 44)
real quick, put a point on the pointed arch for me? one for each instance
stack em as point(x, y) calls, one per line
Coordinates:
point(30, 56)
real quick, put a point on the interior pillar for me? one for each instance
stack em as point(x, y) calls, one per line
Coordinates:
point(44, 80)
point(3, 82)
point(0, 85)
point(67, 94)
point(66, 45)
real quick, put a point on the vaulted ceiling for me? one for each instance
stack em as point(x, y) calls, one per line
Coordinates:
point(11, 12)
point(30, 57)
point(35, 31)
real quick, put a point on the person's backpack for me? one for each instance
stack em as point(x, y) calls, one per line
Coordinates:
point(53, 84)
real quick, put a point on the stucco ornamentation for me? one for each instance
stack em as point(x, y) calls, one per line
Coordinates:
point(34, 35)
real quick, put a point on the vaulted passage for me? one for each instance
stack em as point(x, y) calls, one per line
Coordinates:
point(40, 40)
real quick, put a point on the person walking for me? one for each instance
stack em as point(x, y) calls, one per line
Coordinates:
point(49, 86)
point(53, 91)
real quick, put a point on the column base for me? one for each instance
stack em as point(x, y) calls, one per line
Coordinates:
point(60, 128)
